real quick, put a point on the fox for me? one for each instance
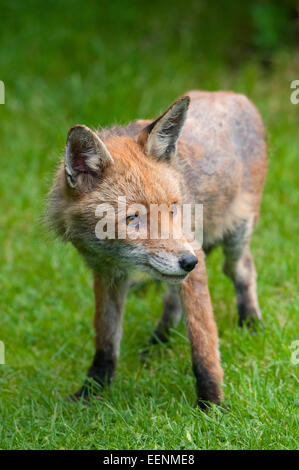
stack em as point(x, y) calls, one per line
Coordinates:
point(207, 148)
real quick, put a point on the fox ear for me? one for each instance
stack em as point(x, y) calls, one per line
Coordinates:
point(86, 157)
point(160, 137)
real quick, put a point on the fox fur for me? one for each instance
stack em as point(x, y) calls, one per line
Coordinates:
point(207, 148)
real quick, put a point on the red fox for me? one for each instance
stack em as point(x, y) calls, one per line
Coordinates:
point(208, 148)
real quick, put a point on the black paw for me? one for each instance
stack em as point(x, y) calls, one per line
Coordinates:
point(253, 323)
point(90, 389)
point(206, 406)
point(159, 337)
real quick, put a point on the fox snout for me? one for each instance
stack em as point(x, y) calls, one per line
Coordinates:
point(188, 262)
point(171, 266)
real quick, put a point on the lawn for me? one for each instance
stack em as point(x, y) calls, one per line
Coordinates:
point(86, 62)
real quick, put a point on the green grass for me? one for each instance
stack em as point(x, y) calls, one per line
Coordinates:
point(93, 64)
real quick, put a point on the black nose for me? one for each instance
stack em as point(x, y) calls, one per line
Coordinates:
point(188, 262)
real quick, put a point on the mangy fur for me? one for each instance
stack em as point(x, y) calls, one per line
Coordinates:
point(220, 162)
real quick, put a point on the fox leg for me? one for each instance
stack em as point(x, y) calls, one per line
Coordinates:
point(203, 335)
point(239, 267)
point(109, 306)
point(172, 313)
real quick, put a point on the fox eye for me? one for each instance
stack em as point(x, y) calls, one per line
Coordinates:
point(174, 209)
point(132, 220)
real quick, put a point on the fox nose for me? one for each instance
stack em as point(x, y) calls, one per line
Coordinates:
point(188, 262)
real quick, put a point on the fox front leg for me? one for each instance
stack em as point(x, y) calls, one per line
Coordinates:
point(203, 335)
point(110, 297)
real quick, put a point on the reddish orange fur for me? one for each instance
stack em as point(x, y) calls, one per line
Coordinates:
point(221, 163)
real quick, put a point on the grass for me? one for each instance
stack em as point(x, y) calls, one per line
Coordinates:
point(97, 65)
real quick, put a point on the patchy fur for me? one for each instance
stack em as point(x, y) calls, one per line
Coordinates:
point(213, 155)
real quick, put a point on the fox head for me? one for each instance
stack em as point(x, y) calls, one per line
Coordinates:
point(111, 196)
